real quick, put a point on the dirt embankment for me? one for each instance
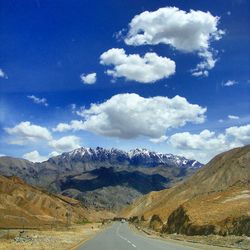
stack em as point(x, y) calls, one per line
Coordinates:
point(62, 239)
point(206, 242)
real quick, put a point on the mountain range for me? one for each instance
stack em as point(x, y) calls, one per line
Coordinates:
point(94, 175)
point(167, 193)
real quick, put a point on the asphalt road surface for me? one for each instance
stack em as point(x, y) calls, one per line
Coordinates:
point(120, 237)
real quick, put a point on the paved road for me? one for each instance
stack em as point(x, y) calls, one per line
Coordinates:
point(120, 237)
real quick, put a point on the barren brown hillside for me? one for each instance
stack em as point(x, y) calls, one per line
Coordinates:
point(219, 174)
point(22, 205)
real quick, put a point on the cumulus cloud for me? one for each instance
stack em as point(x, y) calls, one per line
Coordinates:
point(206, 64)
point(233, 117)
point(240, 135)
point(161, 139)
point(229, 83)
point(74, 125)
point(146, 69)
point(3, 74)
point(205, 145)
point(34, 156)
point(66, 143)
point(25, 131)
point(188, 32)
point(205, 140)
point(89, 78)
point(38, 100)
point(130, 115)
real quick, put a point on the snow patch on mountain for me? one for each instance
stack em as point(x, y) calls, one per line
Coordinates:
point(136, 157)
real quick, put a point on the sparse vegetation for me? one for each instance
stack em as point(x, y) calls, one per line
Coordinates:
point(215, 200)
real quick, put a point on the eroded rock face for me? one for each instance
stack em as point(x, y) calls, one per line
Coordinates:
point(134, 219)
point(235, 226)
point(179, 222)
point(156, 223)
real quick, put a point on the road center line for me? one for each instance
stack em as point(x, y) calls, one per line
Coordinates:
point(120, 236)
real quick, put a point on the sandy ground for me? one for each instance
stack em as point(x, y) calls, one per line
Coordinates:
point(210, 242)
point(48, 239)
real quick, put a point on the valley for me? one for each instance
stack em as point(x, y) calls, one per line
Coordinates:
point(93, 176)
point(167, 196)
point(124, 125)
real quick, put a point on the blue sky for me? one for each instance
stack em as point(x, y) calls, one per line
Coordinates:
point(49, 48)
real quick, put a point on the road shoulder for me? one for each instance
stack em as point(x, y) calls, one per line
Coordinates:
point(182, 241)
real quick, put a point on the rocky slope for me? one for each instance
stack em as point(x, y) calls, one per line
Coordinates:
point(95, 175)
point(22, 205)
point(214, 200)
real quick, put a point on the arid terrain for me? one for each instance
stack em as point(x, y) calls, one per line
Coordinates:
point(215, 200)
point(25, 206)
point(94, 175)
point(208, 242)
point(60, 238)
point(211, 207)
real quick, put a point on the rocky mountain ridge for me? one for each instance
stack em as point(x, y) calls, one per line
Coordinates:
point(135, 157)
point(94, 175)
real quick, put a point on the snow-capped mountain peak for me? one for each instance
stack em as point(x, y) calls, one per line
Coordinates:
point(137, 157)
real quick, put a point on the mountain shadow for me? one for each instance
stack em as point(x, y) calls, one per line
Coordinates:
point(109, 177)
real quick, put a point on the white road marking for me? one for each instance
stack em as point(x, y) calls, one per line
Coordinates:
point(118, 234)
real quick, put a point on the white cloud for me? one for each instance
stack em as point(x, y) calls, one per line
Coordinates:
point(208, 63)
point(38, 100)
point(130, 115)
point(200, 73)
point(74, 125)
point(229, 83)
point(240, 135)
point(3, 74)
point(161, 139)
point(25, 131)
point(185, 31)
point(66, 143)
point(233, 117)
point(205, 140)
point(89, 78)
point(34, 156)
point(147, 69)
point(207, 144)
